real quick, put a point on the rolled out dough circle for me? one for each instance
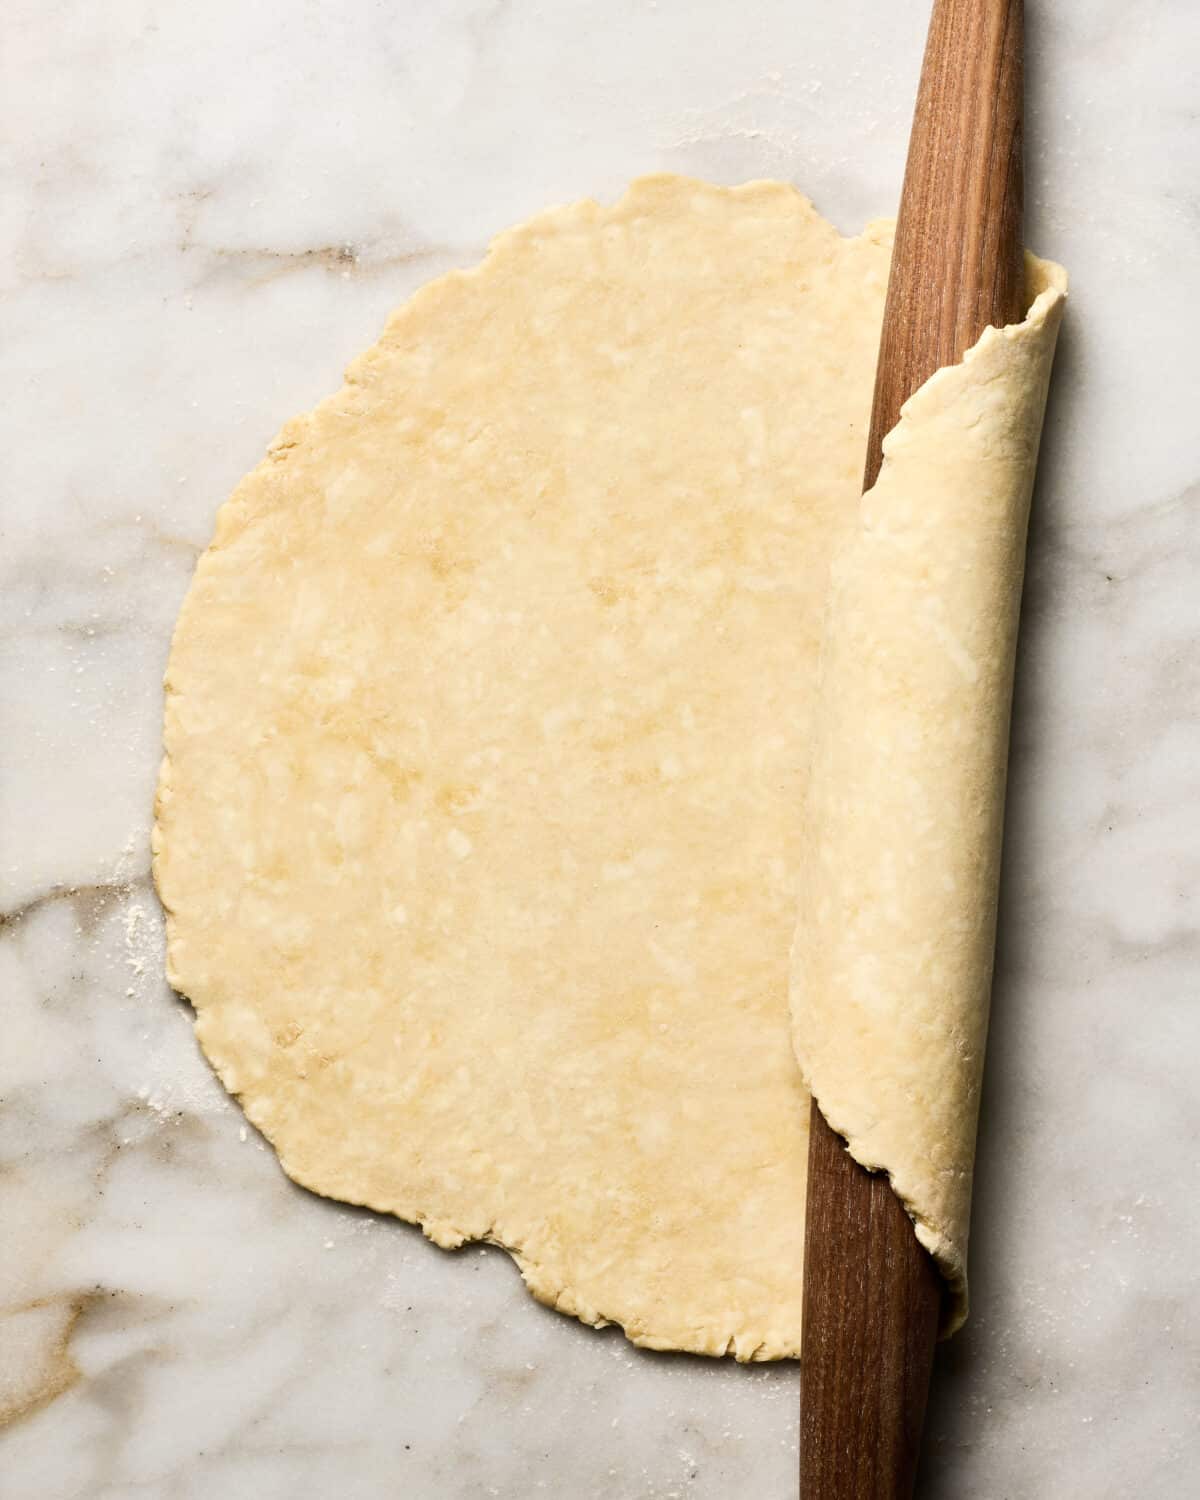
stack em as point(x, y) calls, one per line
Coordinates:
point(488, 720)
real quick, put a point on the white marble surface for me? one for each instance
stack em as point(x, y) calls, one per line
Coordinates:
point(206, 210)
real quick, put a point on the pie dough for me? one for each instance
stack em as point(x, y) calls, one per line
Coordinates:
point(532, 684)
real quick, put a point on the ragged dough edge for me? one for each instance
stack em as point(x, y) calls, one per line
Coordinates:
point(505, 248)
point(1018, 353)
point(547, 1285)
point(545, 1282)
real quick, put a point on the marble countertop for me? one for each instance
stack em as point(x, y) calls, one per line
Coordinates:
point(207, 210)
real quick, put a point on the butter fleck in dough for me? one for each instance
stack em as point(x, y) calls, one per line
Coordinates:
point(486, 808)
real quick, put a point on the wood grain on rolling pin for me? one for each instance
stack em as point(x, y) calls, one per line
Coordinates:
point(872, 1295)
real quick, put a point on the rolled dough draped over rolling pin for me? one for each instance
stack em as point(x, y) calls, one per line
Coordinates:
point(511, 718)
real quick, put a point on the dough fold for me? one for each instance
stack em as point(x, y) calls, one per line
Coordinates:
point(892, 957)
point(486, 804)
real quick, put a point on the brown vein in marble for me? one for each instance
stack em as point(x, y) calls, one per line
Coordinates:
point(346, 258)
point(91, 900)
point(60, 1371)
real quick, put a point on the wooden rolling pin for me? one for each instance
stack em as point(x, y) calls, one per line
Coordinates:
point(872, 1296)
